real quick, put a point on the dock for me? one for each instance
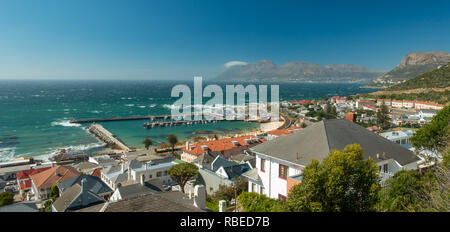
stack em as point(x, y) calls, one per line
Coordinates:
point(174, 119)
point(100, 132)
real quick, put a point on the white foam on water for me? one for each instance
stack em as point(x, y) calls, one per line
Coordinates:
point(95, 111)
point(65, 123)
point(152, 105)
point(142, 107)
point(72, 150)
point(7, 154)
point(129, 104)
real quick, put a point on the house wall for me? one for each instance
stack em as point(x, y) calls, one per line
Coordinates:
point(186, 157)
point(212, 181)
point(290, 184)
point(272, 183)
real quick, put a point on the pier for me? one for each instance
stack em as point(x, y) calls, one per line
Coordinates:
point(100, 132)
point(155, 117)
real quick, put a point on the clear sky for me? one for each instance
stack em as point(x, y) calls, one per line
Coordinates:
point(109, 39)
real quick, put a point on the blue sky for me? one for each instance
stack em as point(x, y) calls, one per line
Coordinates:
point(109, 39)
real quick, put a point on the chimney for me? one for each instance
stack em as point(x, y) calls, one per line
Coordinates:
point(378, 155)
point(82, 184)
point(122, 168)
point(200, 196)
point(187, 145)
point(297, 155)
point(142, 179)
point(351, 116)
point(56, 171)
point(222, 205)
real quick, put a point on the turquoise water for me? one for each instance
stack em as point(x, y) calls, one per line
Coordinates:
point(34, 115)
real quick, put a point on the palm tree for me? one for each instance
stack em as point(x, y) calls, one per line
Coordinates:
point(147, 142)
point(172, 139)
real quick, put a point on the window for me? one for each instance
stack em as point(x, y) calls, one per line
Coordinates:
point(263, 165)
point(158, 174)
point(281, 197)
point(261, 190)
point(150, 176)
point(385, 168)
point(282, 171)
point(165, 173)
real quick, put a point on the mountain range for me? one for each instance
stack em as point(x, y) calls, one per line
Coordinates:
point(412, 65)
point(267, 70)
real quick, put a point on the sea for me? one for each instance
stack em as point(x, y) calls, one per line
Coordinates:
point(35, 114)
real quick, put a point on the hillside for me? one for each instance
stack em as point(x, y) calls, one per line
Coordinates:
point(438, 78)
point(412, 65)
point(430, 86)
point(267, 70)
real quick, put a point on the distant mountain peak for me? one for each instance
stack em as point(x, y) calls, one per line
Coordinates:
point(267, 70)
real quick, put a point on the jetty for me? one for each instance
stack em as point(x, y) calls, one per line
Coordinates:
point(175, 118)
point(100, 132)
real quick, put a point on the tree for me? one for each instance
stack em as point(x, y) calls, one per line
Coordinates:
point(172, 139)
point(229, 192)
point(54, 192)
point(147, 142)
point(401, 192)
point(433, 136)
point(254, 202)
point(182, 173)
point(383, 116)
point(344, 181)
point(6, 198)
point(303, 125)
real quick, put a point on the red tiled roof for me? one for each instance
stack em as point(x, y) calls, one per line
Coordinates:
point(366, 102)
point(97, 172)
point(220, 145)
point(26, 184)
point(48, 178)
point(279, 132)
point(27, 173)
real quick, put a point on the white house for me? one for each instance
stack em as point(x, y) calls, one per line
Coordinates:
point(279, 162)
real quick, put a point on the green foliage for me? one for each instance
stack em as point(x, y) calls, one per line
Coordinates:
point(438, 78)
point(182, 173)
point(303, 125)
point(402, 192)
point(48, 206)
point(434, 136)
point(344, 181)
point(147, 142)
point(54, 192)
point(6, 198)
point(172, 139)
point(212, 204)
point(229, 192)
point(254, 202)
point(383, 116)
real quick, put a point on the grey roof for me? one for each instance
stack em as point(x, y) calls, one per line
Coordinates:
point(220, 162)
point(316, 142)
point(253, 176)
point(20, 207)
point(207, 158)
point(137, 189)
point(86, 166)
point(154, 202)
point(93, 184)
point(236, 170)
point(76, 197)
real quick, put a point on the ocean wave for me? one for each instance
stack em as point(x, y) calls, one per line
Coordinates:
point(152, 105)
point(95, 111)
point(142, 107)
point(72, 150)
point(7, 154)
point(65, 123)
point(129, 104)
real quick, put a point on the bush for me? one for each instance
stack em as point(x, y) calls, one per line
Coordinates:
point(6, 198)
point(254, 202)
